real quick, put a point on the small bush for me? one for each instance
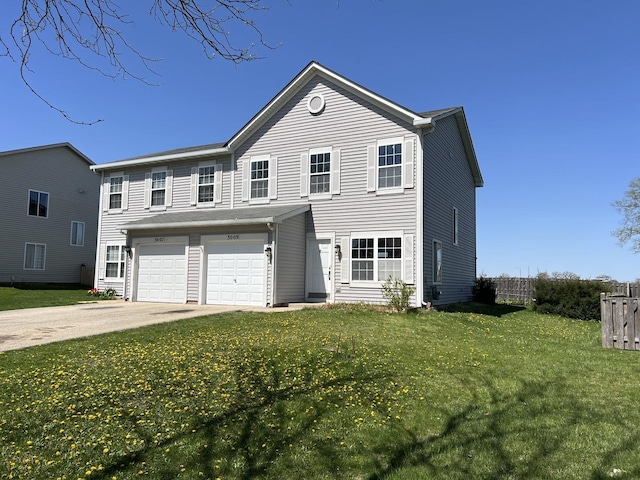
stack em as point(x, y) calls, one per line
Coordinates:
point(484, 291)
point(397, 293)
point(569, 297)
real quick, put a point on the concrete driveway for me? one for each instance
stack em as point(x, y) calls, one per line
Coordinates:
point(37, 326)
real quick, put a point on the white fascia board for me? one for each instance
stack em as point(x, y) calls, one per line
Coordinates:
point(161, 158)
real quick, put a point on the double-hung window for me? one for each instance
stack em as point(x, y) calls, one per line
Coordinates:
point(34, 256)
point(320, 172)
point(390, 165)
point(206, 184)
point(115, 261)
point(77, 234)
point(115, 192)
point(38, 204)
point(376, 257)
point(259, 179)
point(158, 188)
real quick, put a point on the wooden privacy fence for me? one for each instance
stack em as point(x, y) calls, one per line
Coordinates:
point(620, 322)
point(514, 289)
point(86, 275)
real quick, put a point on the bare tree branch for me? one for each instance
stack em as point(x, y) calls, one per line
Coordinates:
point(92, 33)
point(629, 207)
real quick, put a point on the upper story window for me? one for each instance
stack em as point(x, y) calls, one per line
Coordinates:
point(158, 188)
point(206, 184)
point(259, 179)
point(34, 256)
point(320, 172)
point(116, 192)
point(390, 165)
point(38, 204)
point(77, 234)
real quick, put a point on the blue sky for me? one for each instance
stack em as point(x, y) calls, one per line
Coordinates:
point(549, 89)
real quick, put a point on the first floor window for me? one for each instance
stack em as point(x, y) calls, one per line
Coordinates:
point(115, 261)
point(259, 178)
point(77, 234)
point(38, 204)
point(437, 261)
point(34, 256)
point(376, 258)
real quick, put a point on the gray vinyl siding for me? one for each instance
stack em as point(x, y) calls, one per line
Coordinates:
point(193, 269)
point(347, 124)
point(448, 183)
point(291, 260)
point(73, 196)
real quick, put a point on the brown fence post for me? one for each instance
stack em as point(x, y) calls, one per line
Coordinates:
point(606, 320)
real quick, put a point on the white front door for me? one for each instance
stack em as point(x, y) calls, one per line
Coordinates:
point(235, 274)
point(162, 274)
point(319, 268)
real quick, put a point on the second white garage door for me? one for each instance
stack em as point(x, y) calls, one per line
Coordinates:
point(235, 274)
point(162, 273)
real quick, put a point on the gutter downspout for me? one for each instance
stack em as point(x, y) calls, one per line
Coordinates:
point(420, 219)
point(96, 273)
point(274, 256)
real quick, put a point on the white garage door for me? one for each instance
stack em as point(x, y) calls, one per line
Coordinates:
point(162, 273)
point(235, 274)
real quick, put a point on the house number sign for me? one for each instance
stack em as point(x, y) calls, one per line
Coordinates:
point(233, 236)
point(160, 239)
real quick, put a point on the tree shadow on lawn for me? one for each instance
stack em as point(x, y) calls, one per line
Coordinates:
point(532, 432)
point(495, 310)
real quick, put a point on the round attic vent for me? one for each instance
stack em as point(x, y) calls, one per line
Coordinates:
point(316, 103)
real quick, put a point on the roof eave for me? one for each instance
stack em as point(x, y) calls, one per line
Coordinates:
point(162, 158)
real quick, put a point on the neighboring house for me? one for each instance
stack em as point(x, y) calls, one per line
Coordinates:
point(322, 195)
point(50, 214)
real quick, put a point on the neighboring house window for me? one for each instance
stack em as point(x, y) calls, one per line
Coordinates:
point(376, 258)
point(38, 204)
point(115, 192)
point(158, 188)
point(455, 226)
point(320, 173)
point(260, 178)
point(390, 165)
point(158, 185)
point(437, 261)
point(77, 234)
point(34, 256)
point(115, 261)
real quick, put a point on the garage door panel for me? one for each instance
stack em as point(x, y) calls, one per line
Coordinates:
point(235, 273)
point(162, 273)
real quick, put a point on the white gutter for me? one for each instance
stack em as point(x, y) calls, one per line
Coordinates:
point(161, 158)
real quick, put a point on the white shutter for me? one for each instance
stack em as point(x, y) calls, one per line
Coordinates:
point(125, 192)
point(168, 192)
point(335, 171)
point(246, 170)
point(147, 190)
point(102, 260)
point(273, 178)
point(407, 259)
point(193, 198)
point(371, 168)
point(106, 190)
point(407, 163)
point(304, 174)
point(217, 183)
point(345, 265)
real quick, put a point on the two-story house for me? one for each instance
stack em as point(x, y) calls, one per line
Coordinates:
point(326, 192)
point(50, 215)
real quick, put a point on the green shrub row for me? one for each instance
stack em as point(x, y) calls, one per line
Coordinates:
point(573, 298)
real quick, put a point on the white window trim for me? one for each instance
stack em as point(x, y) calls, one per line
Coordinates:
point(71, 240)
point(168, 189)
point(217, 184)
point(272, 179)
point(406, 166)
point(29, 202)
point(103, 262)
point(107, 193)
point(433, 261)
point(44, 259)
point(456, 231)
point(407, 256)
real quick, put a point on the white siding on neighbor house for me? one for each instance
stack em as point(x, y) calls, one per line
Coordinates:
point(73, 196)
point(291, 258)
point(448, 183)
point(349, 125)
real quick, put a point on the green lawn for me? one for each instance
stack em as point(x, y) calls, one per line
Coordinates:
point(343, 392)
point(49, 295)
